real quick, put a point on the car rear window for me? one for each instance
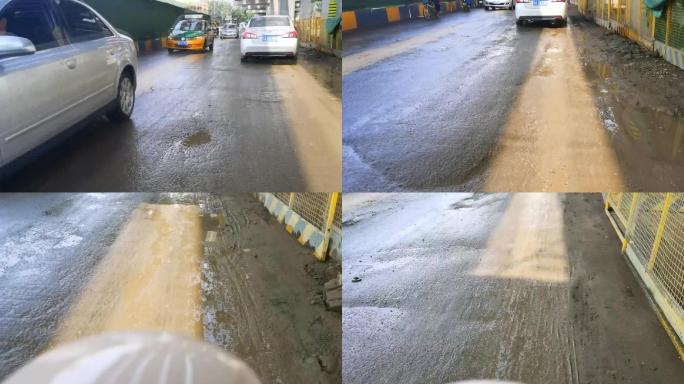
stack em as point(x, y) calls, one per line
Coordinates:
point(270, 22)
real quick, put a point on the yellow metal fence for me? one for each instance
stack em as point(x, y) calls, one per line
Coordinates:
point(314, 207)
point(633, 20)
point(312, 33)
point(651, 228)
point(316, 218)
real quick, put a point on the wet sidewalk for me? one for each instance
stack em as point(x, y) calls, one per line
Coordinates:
point(526, 287)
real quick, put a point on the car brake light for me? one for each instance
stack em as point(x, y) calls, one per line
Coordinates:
point(523, 1)
point(249, 35)
point(291, 34)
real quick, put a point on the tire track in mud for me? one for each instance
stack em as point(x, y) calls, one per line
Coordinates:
point(259, 296)
point(229, 300)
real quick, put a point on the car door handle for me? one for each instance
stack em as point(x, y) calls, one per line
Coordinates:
point(70, 63)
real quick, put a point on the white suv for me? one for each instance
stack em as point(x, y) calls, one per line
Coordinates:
point(541, 10)
point(60, 62)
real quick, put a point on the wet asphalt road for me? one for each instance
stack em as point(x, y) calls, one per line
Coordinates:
point(207, 122)
point(472, 102)
point(76, 265)
point(49, 244)
point(527, 287)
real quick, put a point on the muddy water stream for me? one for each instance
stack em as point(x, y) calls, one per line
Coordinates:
point(149, 279)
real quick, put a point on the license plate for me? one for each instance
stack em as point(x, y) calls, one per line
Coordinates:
point(182, 43)
point(268, 38)
point(539, 3)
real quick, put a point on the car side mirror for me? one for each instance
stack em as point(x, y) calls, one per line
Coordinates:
point(11, 46)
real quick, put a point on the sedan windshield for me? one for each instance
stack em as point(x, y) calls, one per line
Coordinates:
point(188, 25)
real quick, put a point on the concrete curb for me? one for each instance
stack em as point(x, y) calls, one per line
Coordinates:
point(306, 233)
point(375, 17)
point(671, 55)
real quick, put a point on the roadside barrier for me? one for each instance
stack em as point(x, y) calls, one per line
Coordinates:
point(651, 228)
point(374, 17)
point(312, 34)
point(315, 218)
point(660, 31)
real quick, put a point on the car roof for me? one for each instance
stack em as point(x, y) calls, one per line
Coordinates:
point(4, 2)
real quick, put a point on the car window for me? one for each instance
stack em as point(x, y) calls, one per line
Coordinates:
point(269, 22)
point(33, 20)
point(81, 23)
point(189, 26)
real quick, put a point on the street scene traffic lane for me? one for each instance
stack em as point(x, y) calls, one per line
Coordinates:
point(473, 102)
point(530, 288)
point(206, 122)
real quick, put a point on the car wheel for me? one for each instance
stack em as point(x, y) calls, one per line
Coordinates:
point(518, 22)
point(125, 99)
point(170, 50)
point(243, 59)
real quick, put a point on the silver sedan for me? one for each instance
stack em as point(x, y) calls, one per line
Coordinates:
point(60, 63)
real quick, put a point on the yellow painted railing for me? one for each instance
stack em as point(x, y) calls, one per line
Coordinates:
point(651, 228)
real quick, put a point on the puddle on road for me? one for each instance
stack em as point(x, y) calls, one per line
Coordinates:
point(637, 131)
point(197, 139)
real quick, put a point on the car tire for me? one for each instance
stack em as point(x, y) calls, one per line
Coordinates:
point(519, 23)
point(243, 59)
point(170, 50)
point(125, 99)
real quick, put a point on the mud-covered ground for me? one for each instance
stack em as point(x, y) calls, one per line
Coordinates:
point(73, 265)
point(473, 102)
point(263, 298)
point(529, 288)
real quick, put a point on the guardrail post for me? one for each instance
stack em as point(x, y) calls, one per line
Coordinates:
point(630, 221)
point(328, 223)
point(659, 234)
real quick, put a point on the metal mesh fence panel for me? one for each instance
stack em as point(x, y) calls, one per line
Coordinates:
point(642, 234)
point(676, 37)
point(621, 206)
point(660, 28)
point(283, 196)
point(668, 266)
point(313, 207)
point(337, 219)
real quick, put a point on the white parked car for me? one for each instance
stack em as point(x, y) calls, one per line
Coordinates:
point(60, 63)
point(269, 36)
point(493, 4)
point(541, 10)
point(229, 31)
